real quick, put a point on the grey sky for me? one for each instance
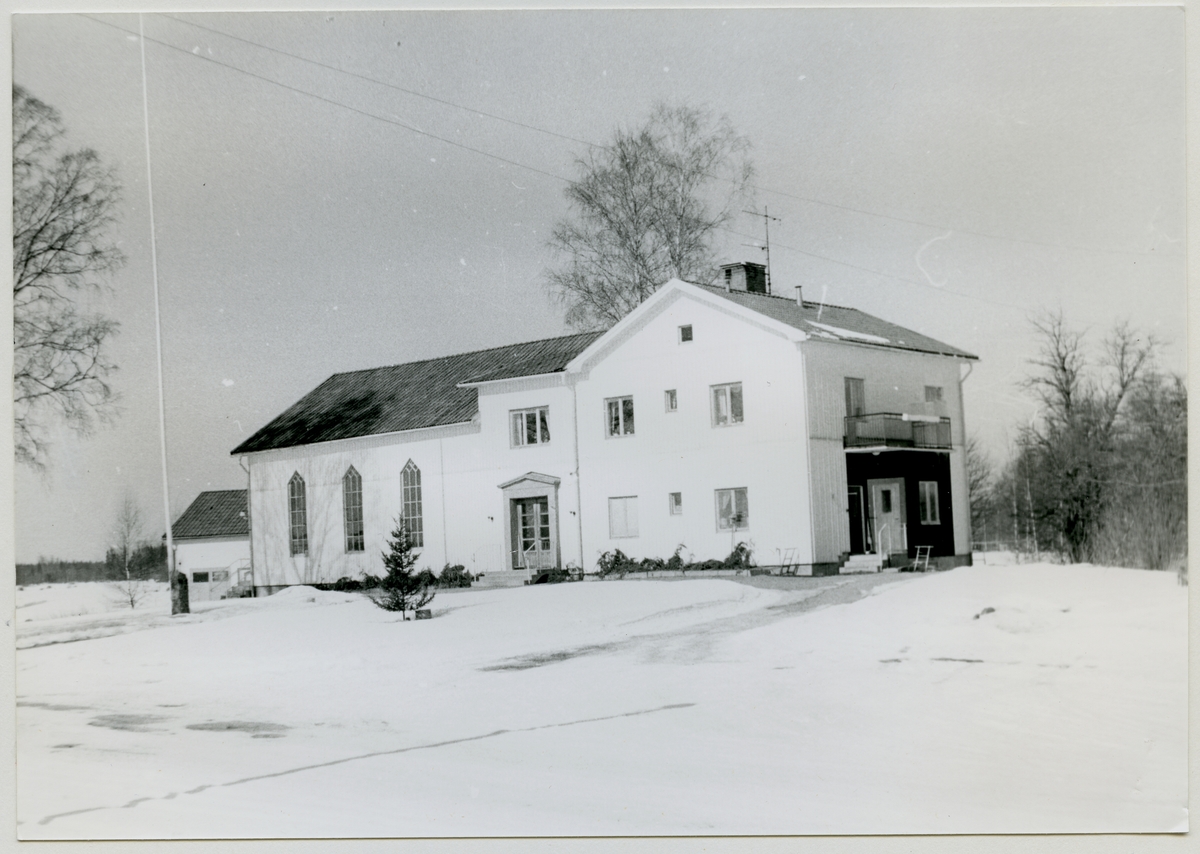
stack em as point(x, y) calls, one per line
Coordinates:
point(297, 238)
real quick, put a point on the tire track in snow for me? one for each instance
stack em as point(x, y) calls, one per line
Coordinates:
point(694, 642)
point(395, 751)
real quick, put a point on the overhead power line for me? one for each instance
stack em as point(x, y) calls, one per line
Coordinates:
point(335, 103)
point(885, 275)
point(515, 163)
point(761, 188)
point(383, 83)
point(957, 230)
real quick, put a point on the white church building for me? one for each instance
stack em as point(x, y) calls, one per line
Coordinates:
point(709, 416)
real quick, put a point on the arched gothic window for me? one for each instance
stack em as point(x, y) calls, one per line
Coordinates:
point(410, 503)
point(297, 515)
point(352, 510)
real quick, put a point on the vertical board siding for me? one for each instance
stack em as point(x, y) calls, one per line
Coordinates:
point(893, 381)
point(831, 531)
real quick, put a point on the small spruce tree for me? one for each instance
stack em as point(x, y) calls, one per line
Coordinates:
point(401, 589)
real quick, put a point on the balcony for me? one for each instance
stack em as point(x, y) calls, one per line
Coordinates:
point(895, 430)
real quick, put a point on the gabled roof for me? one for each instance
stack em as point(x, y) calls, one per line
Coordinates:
point(439, 392)
point(220, 513)
point(409, 396)
point(836, 323)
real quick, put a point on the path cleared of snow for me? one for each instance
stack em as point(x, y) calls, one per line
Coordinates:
point(1032, 698)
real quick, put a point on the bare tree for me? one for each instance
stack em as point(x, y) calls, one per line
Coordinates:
point(63, 208)
point(645, 208)
point(1070, 454)
point(128, 533)
point(1145, 521)
point(980, 482)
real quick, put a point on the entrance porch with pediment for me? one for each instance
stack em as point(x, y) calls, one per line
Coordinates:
point(531, 538)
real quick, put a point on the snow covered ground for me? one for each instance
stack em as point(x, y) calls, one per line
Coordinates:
point(993, 699)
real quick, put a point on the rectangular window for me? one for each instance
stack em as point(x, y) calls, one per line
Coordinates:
point(933, 393)
point(733, 509)
point(685, 333)
point(530, 426)
point(672, 400)
point(676, 503)
point(199, 577)
point(929, 503)
point(220, 575)
point(727, 404)
point(622, 517)
point(856, 401)
point(620, 416)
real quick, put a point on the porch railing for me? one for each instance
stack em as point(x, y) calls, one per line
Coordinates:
point(896, 430)
point(886, 542)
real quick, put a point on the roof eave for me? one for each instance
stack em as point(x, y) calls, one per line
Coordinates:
point(561, 372)
point(907, 349)
point(238, 450)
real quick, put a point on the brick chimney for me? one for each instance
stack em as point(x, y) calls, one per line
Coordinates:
point(744, 276)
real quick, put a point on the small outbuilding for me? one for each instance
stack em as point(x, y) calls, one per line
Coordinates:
point(212, 544)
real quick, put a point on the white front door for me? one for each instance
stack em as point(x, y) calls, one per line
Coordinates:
point(887, 516)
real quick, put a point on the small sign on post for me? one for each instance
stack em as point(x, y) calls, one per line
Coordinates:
point(424, 614)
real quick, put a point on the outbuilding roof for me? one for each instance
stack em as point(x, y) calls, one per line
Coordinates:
point(409, 396)
point(219, 513)
point(837, 323)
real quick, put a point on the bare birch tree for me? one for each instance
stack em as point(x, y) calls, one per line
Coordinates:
point(128, 533)
point(644, 210)
point(63, 209)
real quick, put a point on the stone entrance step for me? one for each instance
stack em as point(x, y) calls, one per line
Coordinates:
point(500, 579)
point(862, 563)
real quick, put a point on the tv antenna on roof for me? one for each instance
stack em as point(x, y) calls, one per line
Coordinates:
point(767, 218)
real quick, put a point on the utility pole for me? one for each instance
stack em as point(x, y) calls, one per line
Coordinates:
point(179, 597)
point(767, 218)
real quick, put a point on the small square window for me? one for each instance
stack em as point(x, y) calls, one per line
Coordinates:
point(933, 393)
point(676, 503)
point(672, 400)
point(726, 404)
point(199, 577)
point(685, 333)
point(221, 575)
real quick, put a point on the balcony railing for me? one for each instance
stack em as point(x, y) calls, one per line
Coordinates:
point(894, 430)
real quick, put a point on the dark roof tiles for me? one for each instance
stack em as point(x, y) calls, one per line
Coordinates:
point(220, 513)
point(409, 396)
point(836, 323)
point(430, 393)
